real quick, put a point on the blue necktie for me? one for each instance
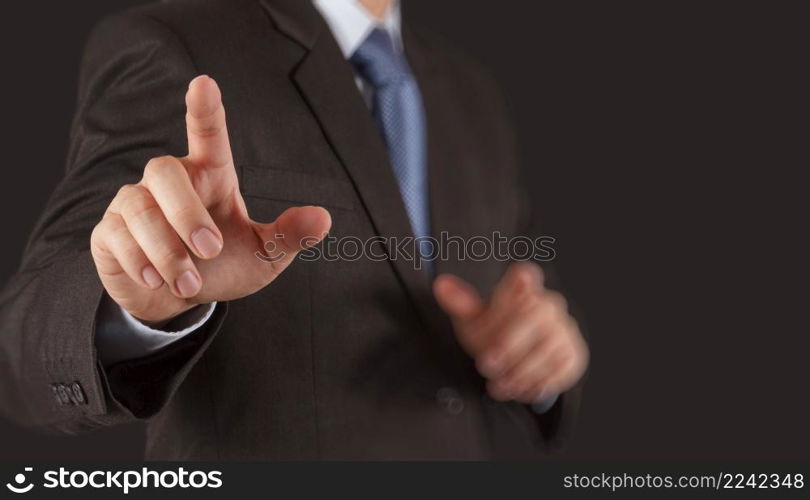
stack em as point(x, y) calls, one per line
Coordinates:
point(400, 115)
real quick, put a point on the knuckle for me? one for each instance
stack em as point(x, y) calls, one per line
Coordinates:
point(129, 192)
point(539, 314)
point(97, 235)
point(118, 237)
point(530, 372)
point(206, 129)
point(132, 253)
point(531, 304)
point(103, 230)
point(126, 191)
point(513, 381)
point(144, 212)
point(208, 125)
point(140, 205)
point(157, 168)
point(553, 345)
point(523, 387)
point(115, 228)
point(550, 307)
point(565, 371)
point(565, 358)
point(97, 240)
point(506, 347)
point(170, 257)
point(188, 214)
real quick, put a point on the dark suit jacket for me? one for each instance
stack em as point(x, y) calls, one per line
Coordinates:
point(334, 360)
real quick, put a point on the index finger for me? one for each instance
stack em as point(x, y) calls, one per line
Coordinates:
point(208, 143)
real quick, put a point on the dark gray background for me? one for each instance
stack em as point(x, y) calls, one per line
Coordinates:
point(658, 141)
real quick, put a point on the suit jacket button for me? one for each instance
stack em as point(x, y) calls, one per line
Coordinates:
point(450, 400)
point(56, 395)
point(77, 393)
point(64, 395)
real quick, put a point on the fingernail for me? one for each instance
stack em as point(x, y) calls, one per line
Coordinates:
point(188, 284)
point(151, 277)
point(207, 244)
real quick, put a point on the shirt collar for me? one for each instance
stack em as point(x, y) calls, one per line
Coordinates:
point(351, 23)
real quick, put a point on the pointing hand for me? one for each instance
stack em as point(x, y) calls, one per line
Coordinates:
point(182, 235)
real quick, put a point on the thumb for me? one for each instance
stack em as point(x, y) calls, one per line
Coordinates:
point(298, 228)
point(460, 300)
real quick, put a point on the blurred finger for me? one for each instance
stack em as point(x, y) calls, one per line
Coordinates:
point(536, 367)
point(514, 339)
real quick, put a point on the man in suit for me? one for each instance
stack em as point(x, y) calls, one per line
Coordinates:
point(149, 292)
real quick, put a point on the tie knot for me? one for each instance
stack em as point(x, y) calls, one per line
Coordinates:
point(378, 61)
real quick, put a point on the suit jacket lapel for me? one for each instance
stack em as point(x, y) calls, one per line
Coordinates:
point(327, 84)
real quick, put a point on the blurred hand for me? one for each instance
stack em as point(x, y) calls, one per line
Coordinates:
point(182, 235)
point(523, 339)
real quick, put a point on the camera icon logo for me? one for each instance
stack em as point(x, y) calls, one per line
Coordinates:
point(19, 479)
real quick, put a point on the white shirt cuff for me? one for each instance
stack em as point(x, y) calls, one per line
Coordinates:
point(120, 336)
point(544, 405)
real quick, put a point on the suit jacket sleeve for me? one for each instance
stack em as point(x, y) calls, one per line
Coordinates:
point(133, 79)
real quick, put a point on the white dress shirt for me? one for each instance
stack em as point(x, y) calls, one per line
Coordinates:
point(351, 23)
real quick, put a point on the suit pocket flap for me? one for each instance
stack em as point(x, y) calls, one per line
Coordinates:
point(297, 187)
